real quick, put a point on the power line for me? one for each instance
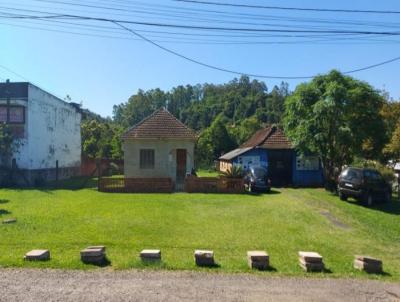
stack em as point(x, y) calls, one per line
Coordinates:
point(243, 73)
point(96, 6)
point(182, 40)
point(291, 8)
point(13, 72)
point(167, 25)
point(176, 36)
point(119, 24)
point(27, 80)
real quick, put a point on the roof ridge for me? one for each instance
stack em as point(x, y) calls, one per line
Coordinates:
point(180, 122)
point(141, 122)
point(271, 129)
point(163, 116)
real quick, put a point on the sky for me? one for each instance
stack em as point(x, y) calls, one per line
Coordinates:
point(102, 71)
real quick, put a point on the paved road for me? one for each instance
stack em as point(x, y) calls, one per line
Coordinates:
point(107, 285)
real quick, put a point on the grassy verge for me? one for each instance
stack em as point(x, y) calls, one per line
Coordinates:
point(207, 173)
point(283, 222)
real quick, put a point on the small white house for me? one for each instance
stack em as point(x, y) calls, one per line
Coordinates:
point(47, 128)
point(160, 146)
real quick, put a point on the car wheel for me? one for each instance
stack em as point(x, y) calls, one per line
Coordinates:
point(369, 201)
point(251, 189)
point(342, 196)
point(388, 197)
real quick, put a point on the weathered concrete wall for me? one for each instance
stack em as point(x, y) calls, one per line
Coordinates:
point(23, 151)
point(164, 157)
point(53, 133)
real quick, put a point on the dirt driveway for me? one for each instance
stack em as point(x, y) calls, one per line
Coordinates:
point(107, 285)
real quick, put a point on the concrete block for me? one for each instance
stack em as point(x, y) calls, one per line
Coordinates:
point(368, 267)
point(93, 259)
point(93, 254)
point(37, 255)
point(369, 260)
point(311, 266)
point(9, 221)
point(310, 257)
point(258, 260)
point(150, 255)
point(95, 247)
point(204, 258)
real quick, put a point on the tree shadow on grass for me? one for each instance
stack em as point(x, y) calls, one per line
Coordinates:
point(383, 274)
point(72, 184)
point(269, 268)
point(4, 212)
point(327, 270)
point(208, 266)
point(392, 207)
point(3, 201)
point(271, 192)
point(152, 263)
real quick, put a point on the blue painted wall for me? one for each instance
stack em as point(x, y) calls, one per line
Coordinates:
point(299, 178)
point(260, 153)
point(313, 178)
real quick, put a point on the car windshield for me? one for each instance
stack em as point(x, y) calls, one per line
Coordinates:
point(373, 175)
point(351, 174)
point(260, 172)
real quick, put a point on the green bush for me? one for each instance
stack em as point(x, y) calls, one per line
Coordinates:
point(233, 172)
point(387, 173)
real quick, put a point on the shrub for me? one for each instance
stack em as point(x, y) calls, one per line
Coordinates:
point(233, 172)
point(387, 172)
point(114, 168)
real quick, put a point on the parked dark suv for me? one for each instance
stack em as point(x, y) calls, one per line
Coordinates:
point(256, 179)
point(366, 185)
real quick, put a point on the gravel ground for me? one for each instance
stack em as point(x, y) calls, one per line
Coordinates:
point(108, 285)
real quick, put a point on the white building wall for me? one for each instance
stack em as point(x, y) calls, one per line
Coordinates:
point(53, 133)
point(22, 155)
point(164, 157)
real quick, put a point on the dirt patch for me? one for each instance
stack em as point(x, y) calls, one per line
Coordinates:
point(336, 222)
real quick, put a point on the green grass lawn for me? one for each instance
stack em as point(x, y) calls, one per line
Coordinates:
point(283, 222)
point(207, 173)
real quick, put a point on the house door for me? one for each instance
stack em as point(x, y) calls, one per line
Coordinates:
point(180, 165)
point(280, 167)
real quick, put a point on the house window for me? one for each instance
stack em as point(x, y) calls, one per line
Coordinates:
point(307, 163)
point(17, 115)
point(12, 114)
point(3, 114)
point(147, 159)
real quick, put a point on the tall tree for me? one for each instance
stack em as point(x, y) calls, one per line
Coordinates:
point(101, 139)
point(336, 117)
point(212, 142)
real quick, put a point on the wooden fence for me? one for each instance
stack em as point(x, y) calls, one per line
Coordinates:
point(136, 185)
point(195, 184)
point(192, 184)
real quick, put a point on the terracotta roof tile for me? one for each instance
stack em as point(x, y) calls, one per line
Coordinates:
point(160, 125)
point(271, 137)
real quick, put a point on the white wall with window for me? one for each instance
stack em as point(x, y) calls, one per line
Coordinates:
point(307, 163)
point(48, 129)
